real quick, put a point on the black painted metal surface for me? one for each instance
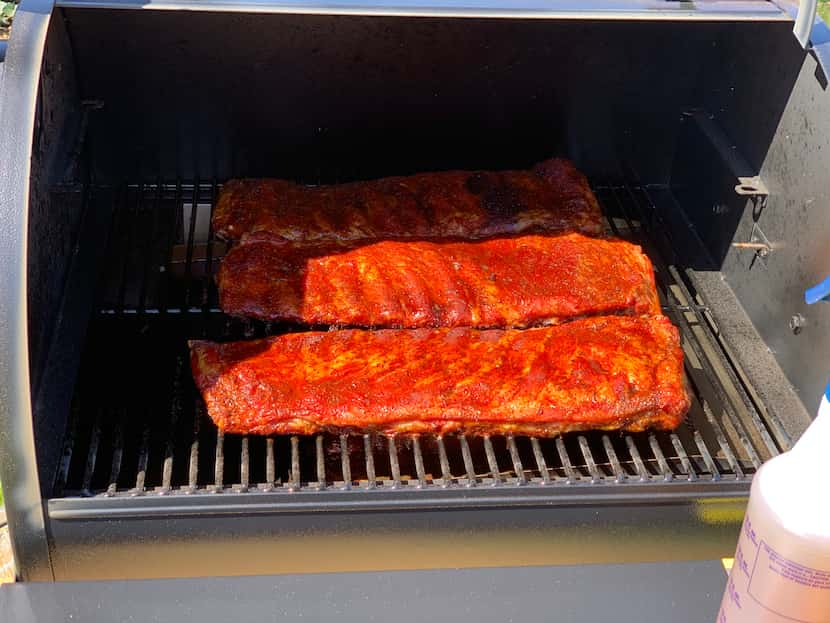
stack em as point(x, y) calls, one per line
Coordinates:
point(384, 92)
point(18, 469)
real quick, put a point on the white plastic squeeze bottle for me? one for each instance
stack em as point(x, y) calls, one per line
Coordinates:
point(781, 572)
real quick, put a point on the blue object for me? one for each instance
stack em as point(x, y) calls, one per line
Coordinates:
point(819, 292)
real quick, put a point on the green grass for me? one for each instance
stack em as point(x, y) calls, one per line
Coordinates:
point(824, 10)
point(7, 8)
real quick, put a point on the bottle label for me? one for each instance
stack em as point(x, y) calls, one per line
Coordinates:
point(785, 587)
point(767, 586)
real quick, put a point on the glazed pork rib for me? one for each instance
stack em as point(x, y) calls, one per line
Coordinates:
point(507, 282)
point(610, 372)
point(553, 197)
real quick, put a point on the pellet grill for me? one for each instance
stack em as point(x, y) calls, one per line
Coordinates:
point(703, 127)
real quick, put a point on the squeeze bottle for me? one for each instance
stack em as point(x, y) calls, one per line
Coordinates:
point(781, 572)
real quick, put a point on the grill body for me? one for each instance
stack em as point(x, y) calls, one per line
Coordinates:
point(107, 450)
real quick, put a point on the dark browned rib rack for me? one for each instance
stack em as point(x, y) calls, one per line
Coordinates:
point(139, 427)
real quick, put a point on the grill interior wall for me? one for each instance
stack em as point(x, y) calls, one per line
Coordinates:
point(297, 96)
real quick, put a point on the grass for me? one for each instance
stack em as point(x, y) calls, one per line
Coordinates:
point(824, 10)
point(7, 8)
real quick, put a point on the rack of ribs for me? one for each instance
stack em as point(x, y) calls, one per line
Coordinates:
point(552, 197)
point(610, 372)
point(506, 282)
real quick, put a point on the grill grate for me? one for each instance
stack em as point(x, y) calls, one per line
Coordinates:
point(138, 425)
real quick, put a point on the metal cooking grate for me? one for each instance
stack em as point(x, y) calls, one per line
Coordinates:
point(138, 425)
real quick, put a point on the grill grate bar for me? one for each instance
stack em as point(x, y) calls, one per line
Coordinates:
point(219, 464)
point(125, 263)
point(612, 225)
point(541, 464)
point(593, 470)
point(492, 463)
point(92, 455)
point(419, 461)
point(446, 476)
point(722, 441)
point(244, 465)
point(295, 463)
point(175, 410)
point(165, 266)
point(193, 463)
point(148, 260)
point(143, 459)
point(370, 461)
point(707, 457)
point(68, 447)
point(114, 246)
point(117, 453)
point(393, 463)
point(345, 463)
point(619, 472)
point(684, 458)
point(742, 436)
point(468, 461)
point(661, 459)
point(191, 228)
point(208, 282)
point(642, 471)
point(518, 469)
point(321, 462)
point(270, 468)
point(744, 439)
point(570, 473)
